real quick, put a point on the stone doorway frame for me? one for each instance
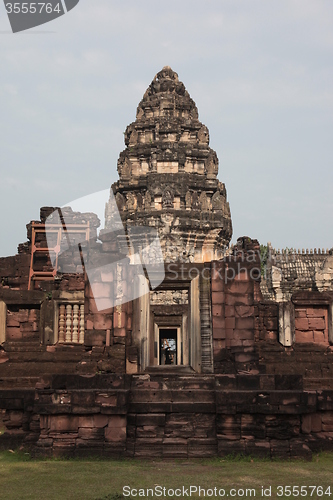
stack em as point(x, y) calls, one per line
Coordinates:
point(144, 321)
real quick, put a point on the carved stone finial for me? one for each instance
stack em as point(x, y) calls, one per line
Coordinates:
point(204, 205)
point(133, 138)
point(203, 136)
point(147, 200)
point(131, 201)
point(125, 169)
point(188, 200)
point(217, 201)
point(195, 201)
point(139, 201)
point(120, 200)
point(212, 167)
point(140, 113)
point(167, 199)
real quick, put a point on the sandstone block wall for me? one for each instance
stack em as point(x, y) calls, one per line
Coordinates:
point(23, 323)
point(311, 324)
point(235, 285)
point(170, 416)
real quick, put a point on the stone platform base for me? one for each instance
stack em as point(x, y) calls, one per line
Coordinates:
point(163, 415)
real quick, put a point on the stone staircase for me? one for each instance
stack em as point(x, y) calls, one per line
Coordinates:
point(172, 415)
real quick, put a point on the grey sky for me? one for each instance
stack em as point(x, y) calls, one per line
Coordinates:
point(260, 72)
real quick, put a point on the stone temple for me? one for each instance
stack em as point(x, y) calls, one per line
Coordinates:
point(193, 349)
point(168, 175)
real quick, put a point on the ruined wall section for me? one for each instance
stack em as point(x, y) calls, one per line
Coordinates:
point(54, 326)
point(254, 335)
point(108, 309)
point(290, 271)
point(308, 315)
point(235, 309)
point(16, 270)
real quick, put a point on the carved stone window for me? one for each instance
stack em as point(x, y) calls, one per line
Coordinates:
point(70, 323)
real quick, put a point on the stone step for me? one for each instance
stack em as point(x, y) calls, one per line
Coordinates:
point(160, 380)
point(41, 357)
point(88, 381)
point(173, 381)
point(172, 396)
point(18, 382)
point(35, 369)
point(318, 383)
point(167, 370)
point(172, 407)
point(24, 346)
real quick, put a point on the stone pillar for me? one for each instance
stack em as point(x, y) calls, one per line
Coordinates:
point(286, 323)
point(141, 323)
point(276, 283)
point(206, 321)
point(48, 330)
point(330, 323)
point(3, 318)
point(195, 326)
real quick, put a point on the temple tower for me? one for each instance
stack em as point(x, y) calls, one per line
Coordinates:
point(168, 176)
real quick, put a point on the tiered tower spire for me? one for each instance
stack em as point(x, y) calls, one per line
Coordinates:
point(168, 175)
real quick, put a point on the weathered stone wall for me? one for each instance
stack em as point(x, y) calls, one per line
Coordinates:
point(246, 330)
point(14, 271)
point(22, 324)
point(313, 361)
point(265, 398)
point(235, 302)
point(311, 324)
point(170, 416)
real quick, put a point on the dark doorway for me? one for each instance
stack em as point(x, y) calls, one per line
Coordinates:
point(168, 346)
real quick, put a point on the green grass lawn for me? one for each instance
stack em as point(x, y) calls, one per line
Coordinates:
point(89, 479)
